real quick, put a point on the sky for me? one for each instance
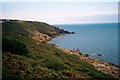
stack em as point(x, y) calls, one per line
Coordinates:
point(60, 0)
point(61, 12)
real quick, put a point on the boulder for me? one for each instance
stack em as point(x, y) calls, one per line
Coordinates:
point(67, 32)
point(72, 32)
point(99, 54)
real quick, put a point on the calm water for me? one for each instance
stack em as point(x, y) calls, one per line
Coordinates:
point(92, 39)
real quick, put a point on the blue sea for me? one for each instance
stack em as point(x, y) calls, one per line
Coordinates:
point(92, 39)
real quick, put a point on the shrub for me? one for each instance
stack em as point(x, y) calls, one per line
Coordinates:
point(56, 66)
point(14, 46)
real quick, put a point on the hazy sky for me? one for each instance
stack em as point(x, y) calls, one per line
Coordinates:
point(62, 12)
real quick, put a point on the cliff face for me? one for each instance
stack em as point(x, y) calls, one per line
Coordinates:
point(41, 59)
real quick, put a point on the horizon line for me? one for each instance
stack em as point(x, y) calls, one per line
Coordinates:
point(85, 23)
point(62, 23)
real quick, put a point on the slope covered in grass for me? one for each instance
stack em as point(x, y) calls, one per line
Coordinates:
point(42, 60)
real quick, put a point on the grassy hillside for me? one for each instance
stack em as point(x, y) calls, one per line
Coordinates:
point(24, 59)
point(28, 27)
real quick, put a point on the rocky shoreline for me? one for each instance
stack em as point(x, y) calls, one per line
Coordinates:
point(105, 67)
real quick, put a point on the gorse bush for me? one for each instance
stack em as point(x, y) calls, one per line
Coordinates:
point(14, 46)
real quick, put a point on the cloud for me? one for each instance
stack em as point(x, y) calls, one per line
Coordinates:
point(58, 13)
point(98, 18)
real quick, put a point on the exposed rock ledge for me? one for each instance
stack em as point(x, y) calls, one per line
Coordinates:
point(107, 68)
point(40, 37)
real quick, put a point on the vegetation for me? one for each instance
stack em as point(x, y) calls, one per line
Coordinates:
point(14, 46)
point(41, 61)
point(25, 28)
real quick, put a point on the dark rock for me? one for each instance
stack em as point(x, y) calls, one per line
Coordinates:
point(67, 32)
point(78, 50)
point(80, 53)
point(72, 32)
point(99, 54)
point(86, 55)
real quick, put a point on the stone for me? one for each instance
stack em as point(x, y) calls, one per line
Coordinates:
point(99, 54)
point(72, 32)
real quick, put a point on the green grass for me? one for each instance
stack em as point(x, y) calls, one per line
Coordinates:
point(43, 61)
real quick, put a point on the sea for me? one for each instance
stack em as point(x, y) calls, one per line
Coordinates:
point(92, 39)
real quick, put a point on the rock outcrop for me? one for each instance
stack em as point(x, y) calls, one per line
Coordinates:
point(40, 37)
point(107, 68)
